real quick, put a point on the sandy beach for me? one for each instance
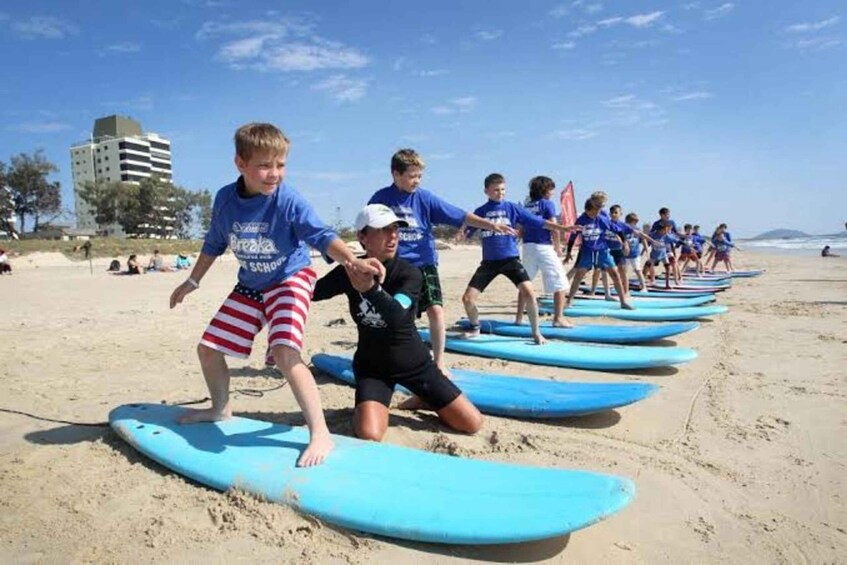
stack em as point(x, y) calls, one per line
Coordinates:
point(740, 458)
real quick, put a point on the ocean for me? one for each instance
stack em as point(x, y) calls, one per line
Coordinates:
point(811, 245)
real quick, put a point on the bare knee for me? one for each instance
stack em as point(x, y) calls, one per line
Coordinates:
point(472, 423)
point(286, 358)
point(369, 429)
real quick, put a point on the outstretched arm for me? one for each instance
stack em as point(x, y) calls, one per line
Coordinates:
point(192, 283)
point(481, 223)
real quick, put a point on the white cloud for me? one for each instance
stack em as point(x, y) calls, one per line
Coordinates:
point(456, 105)
point(644, 20)
point(697, 95)
point(432, 73)
point(609, 22)
point(576, 134)
point(41, 127)
point(594, 8)
point(583, 30)
point(719, 12)
point(489, 35)
point(559, 11)
point(44, 27)
point(127, 47)
point(813, 26)
point(342, 88)
point(619, 101)
point(564, 45)
point(284, 45)
point(816, 43)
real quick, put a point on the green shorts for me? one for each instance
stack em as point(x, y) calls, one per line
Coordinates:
point(431, 289)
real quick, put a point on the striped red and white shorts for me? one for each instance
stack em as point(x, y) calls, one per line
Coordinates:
point(245, 312)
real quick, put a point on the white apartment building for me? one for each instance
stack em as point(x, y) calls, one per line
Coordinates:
point(118, 150)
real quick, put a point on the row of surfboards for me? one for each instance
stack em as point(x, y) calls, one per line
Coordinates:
point(417, 495)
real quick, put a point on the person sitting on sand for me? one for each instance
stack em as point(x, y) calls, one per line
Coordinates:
point(825, 252)
point(390, 351)
point(132, 266)
point(181, 262)
point(5, 267)
point(157, 262)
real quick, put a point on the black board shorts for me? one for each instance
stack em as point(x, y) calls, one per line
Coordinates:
point(511, 268)
point(429, 384)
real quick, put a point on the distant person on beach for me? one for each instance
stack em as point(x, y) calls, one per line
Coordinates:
point(542, 250)
point(594, 253)
point(157, 262)
point(825, 252)
point(723, 248)
point(423, 210)
point(500, 254)
point(5, 266)
point(688, 250)
point(266, 224)
point(132, 266)
point(660, 254)
point(181, 262)
point(390, 351)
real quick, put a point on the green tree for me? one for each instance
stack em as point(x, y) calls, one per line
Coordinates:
point(32, 194)
point(7, 204)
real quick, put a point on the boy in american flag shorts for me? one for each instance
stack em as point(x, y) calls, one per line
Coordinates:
point(267, 225)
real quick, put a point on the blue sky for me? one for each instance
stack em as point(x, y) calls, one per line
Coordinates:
point(722, 111)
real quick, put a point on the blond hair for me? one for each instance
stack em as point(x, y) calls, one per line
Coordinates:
point(255, 138)
point(405, 158)
point(599, 198)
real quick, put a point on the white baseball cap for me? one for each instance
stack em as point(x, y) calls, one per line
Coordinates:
point(377, 216)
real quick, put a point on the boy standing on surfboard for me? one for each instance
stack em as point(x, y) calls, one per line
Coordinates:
point(500, 253)
point(390, 351)
point(267, 224)
point(422, 210)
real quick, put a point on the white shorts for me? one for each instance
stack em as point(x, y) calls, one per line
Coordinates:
point(542, 256)
point(634, 263)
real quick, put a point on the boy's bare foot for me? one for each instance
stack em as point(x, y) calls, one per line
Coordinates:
point(610, 298)
point(627, 306)
point(194, 415)
point(539, 339)
point(315, 454)
point(560, 323)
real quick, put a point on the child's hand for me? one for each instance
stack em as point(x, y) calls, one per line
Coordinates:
point(503, 229)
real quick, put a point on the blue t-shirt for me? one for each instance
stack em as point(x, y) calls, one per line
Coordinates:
point(495, 245)
point(594, 231)
point(686, 243)
point(267, 234)
point(658, 223)
point(723, 245)
point(612, 239)
point(698, 241)
point(421, 209)
point(546, 210)
point(634, 241)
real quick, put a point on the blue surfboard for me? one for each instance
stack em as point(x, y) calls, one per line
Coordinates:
point(596, 333)
point(373, 487)
point(564, 354)
point(640, 302)
point(518, 396)
point(645, 314)
point(657, 293)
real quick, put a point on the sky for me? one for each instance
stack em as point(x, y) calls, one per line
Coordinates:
point(729, 112)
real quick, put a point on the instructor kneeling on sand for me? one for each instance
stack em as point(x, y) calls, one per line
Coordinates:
point(390, 351)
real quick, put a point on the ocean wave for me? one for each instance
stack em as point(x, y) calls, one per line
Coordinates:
point(814, 242)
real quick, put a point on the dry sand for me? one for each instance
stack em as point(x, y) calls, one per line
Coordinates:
point(740, 458)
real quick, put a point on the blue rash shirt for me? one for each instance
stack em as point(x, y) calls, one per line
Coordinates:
point(422, 210)
point(594, 231)
point(544, 209)
point(267, 234)
point(497, 246)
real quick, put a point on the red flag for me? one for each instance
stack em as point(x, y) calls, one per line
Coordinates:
point(568, 203)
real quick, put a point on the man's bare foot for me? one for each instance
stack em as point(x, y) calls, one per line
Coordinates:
point(627, 306)
point(319, 447)
point(560, 323)
point(194, 415)
point(413, 403)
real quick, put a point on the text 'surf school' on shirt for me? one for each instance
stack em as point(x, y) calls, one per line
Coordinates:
point(267, 234)
point(546, 210)
point(389, 343)
point(422, 210)
point(593, 232)
point(497, 246)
